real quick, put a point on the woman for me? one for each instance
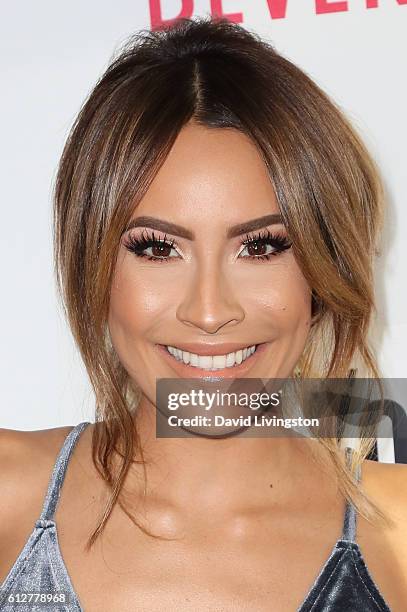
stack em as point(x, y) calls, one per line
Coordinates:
point(210, 199)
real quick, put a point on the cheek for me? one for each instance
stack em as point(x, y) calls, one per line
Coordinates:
point(138, 299)
point(281, 297)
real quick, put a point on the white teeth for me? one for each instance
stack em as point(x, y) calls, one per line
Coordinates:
point(218, 361)
point(230, 360)
point(193, 359)
point(212, 362)
point(205, 362)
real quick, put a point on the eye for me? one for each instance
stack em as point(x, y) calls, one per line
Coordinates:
point(264, 245)
point(159, 248)
point(261, 246)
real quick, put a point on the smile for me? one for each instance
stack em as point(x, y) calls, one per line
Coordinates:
point(212, 362)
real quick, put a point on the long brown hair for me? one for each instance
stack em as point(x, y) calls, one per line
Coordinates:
point(219, 75)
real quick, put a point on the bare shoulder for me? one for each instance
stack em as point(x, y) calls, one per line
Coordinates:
point(26, 462)
point(386, 484)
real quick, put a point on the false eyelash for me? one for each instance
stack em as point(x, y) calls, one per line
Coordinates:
point(137, 245)
point(278, 241)
point(146, 240)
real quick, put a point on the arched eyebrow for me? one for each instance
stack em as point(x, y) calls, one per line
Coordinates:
point(183, 232)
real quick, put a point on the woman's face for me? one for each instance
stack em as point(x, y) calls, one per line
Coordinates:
point(204, 293)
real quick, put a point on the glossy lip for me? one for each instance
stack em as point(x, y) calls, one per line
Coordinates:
point(186, 371)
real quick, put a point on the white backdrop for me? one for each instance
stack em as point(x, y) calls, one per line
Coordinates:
point(51, 56)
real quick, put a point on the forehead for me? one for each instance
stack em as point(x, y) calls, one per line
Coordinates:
point(210, 173)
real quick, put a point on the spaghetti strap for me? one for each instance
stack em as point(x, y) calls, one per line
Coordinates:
point(349, 523)
point(58, 473)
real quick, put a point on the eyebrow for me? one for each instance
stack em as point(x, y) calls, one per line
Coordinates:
point(183, 232)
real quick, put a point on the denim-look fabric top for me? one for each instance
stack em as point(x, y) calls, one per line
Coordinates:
point(343, 584)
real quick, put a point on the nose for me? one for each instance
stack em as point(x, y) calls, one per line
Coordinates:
point(208, 301)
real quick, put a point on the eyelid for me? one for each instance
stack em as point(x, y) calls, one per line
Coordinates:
point(264, 234)
point(149, 234)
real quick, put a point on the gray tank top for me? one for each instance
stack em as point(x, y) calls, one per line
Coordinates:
point(343, 584)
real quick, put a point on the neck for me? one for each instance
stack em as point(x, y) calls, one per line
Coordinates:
point(223, 476)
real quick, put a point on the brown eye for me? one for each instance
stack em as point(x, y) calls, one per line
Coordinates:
point(161, 250)
point(149, 247)
point(257, 248)
point(264, 246)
